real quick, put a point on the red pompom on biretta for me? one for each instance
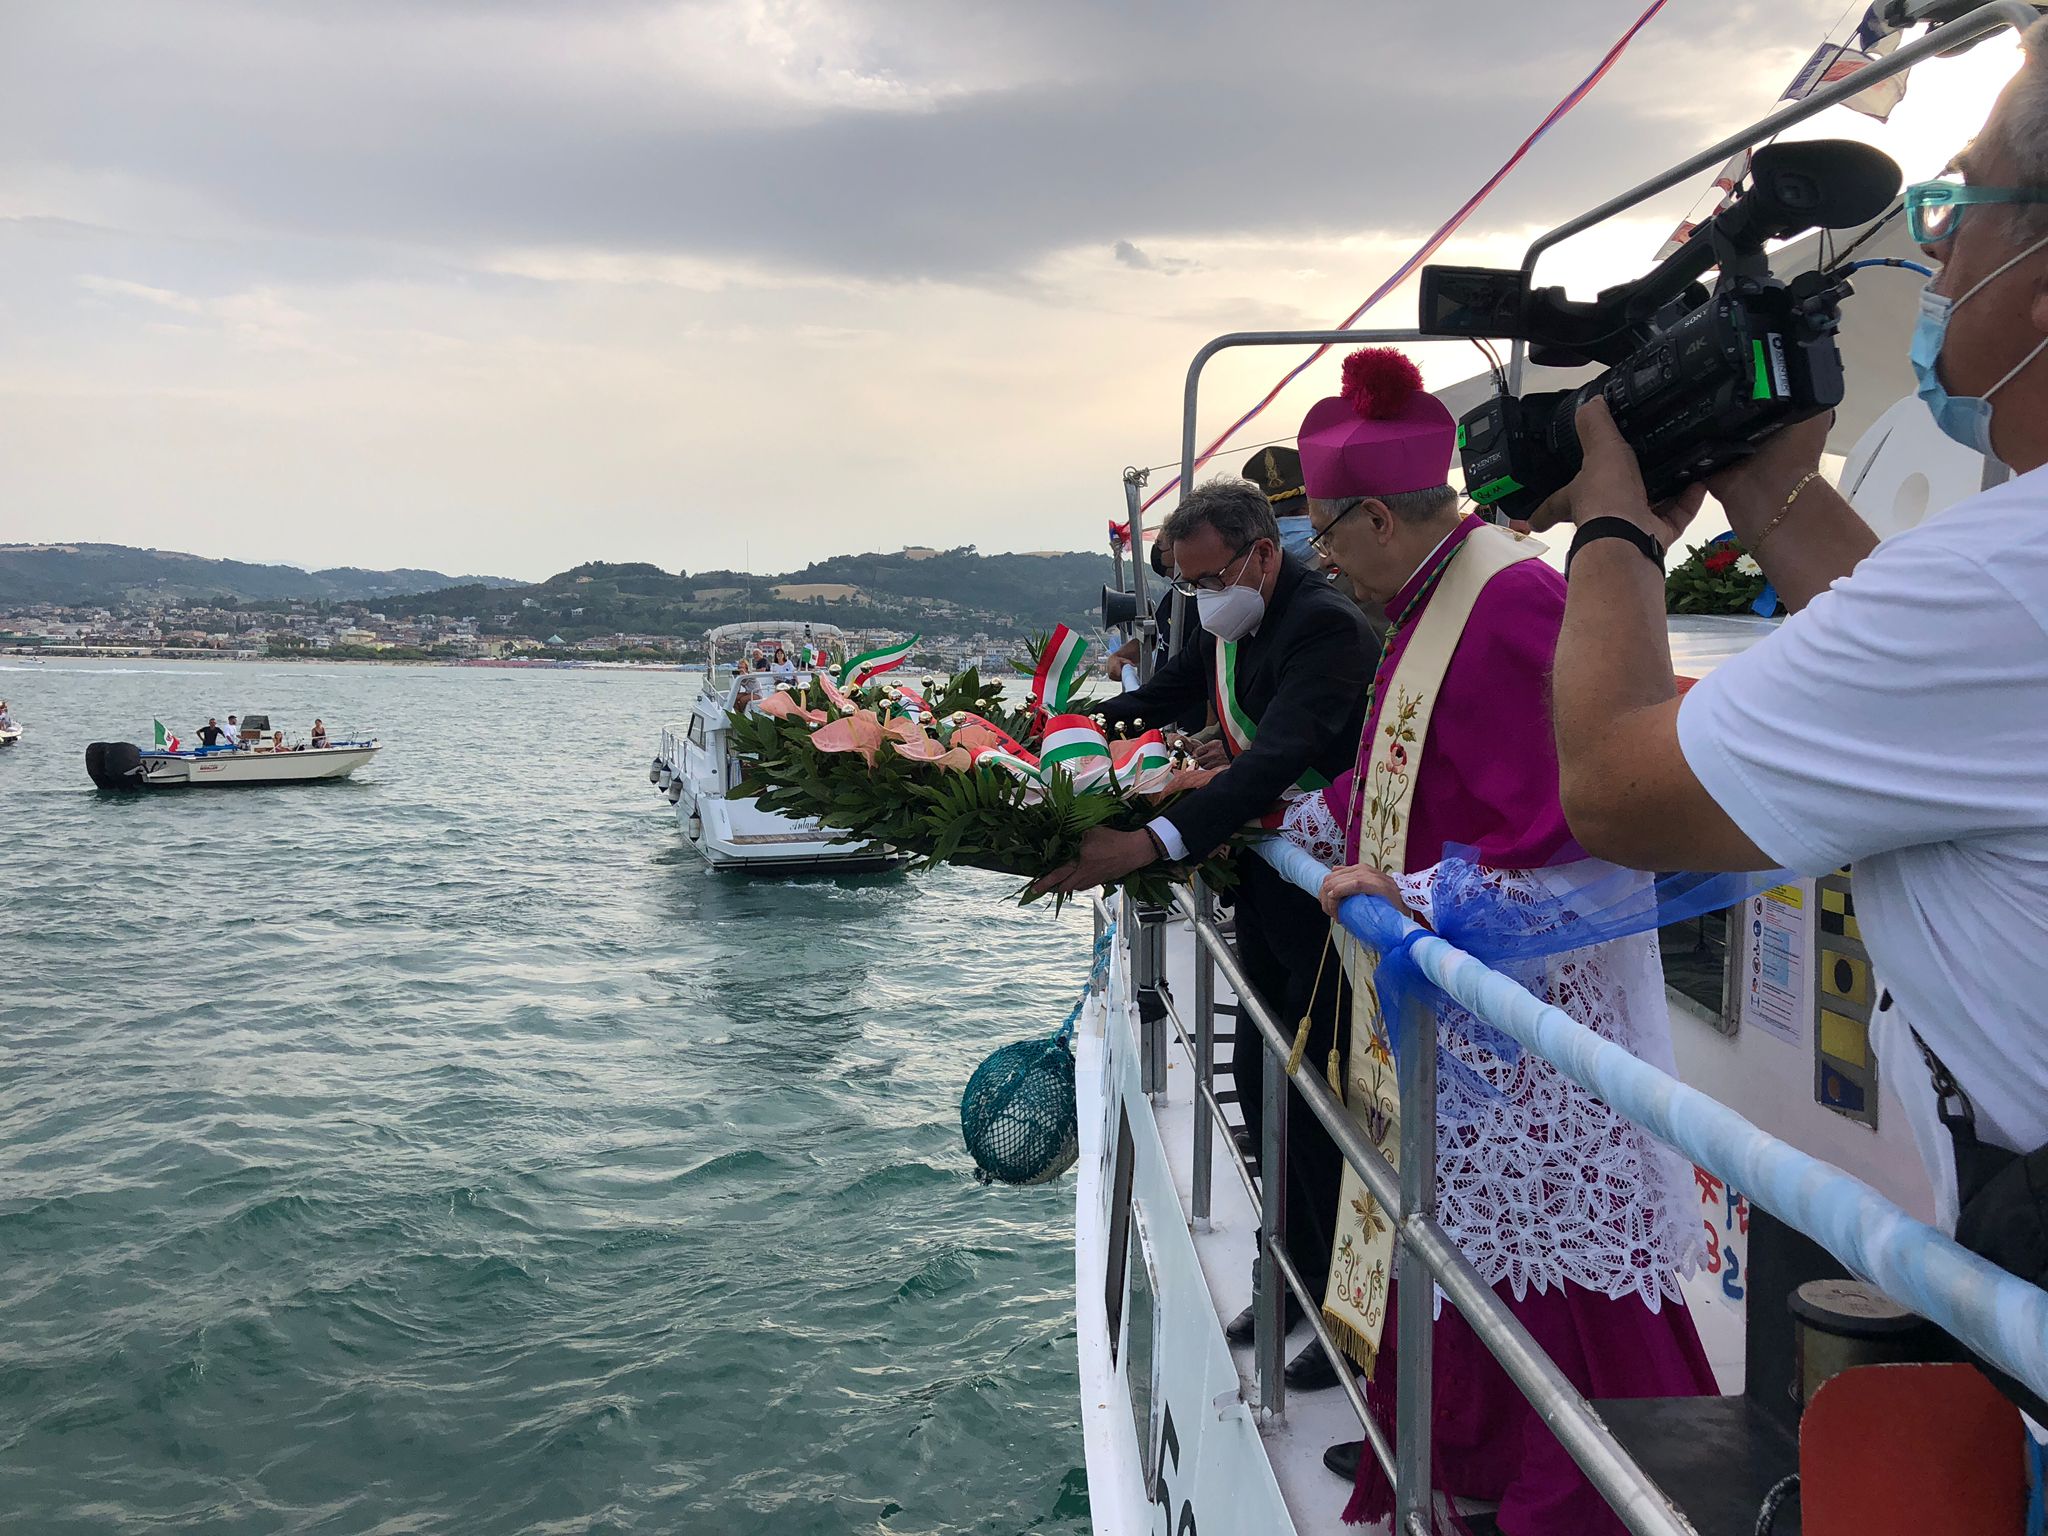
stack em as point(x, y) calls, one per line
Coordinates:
point(1380, 435)
point(1379, 381)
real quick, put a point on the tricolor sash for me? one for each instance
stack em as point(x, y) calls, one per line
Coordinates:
point(1237, 725)
point(1382, 796)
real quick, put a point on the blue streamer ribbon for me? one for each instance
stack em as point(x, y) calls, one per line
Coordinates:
point(1517, 935)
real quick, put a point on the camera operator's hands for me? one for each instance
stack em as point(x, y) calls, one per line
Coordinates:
point(1610, 484)
point(1752, 490)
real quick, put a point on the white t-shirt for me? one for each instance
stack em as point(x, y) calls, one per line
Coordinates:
point(1900, 722)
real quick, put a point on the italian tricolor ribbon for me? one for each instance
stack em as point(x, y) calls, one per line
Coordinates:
point(1143, 763)
point(1073, 745)
point(1059, 668)
point(874, 663)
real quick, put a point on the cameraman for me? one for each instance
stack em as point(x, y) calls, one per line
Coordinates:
point(1899, 717)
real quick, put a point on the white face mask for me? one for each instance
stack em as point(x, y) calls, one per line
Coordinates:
point(1232, 613)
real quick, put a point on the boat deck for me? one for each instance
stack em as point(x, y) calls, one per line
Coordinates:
point(1313, 1421)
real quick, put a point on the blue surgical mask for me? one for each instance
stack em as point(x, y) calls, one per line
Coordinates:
point(1294, 536)
point(1965, 418)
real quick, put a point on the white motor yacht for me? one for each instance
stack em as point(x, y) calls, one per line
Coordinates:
point(696, 769)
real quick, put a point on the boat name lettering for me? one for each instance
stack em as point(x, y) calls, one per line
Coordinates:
point(1169, 1449)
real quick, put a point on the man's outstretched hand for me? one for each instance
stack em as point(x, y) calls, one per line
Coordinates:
point(1106, 855)
point(1610, 484)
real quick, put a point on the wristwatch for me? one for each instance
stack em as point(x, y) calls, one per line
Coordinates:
point(1614, 528)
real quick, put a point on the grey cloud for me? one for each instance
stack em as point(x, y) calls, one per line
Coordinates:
point(1113, 119)
point(1141, 260)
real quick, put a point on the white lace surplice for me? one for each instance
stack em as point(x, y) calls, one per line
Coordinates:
point(1541, 1183)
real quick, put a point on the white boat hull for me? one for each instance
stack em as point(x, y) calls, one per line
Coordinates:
point(1171, 1440)
point(183, 770)
point(732, 832)
point(9, 735)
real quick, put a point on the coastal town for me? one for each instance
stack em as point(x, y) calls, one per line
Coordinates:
point(360, 632)
point(964, 608)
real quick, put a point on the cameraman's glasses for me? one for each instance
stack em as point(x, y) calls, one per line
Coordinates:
point(1934, 209)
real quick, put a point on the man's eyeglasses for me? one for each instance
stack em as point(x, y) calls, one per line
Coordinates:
point(1215, 581)
point(1319, 541)
point(1934, 209)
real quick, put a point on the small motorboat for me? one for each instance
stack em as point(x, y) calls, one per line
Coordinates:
point(9, 735)
point(258, 758)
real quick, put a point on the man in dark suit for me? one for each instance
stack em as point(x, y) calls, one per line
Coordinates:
point(1287, 660)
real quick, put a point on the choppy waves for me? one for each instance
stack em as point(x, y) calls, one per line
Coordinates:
point(446, 1151)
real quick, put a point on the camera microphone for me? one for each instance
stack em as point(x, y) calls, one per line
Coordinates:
point(1698, 379)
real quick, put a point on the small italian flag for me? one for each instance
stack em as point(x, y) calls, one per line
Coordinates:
point(1059, 668)
point(163, 737)
point(874, 663)
point(1142, 762)
point(1074, 746)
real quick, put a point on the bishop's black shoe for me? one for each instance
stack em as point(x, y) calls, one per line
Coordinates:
point(1342, 1459)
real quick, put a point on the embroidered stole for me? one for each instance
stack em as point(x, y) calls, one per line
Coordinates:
point(1383, 788)
point(1238, 727)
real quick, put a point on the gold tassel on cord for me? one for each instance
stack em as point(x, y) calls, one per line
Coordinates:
point(1308, 1015)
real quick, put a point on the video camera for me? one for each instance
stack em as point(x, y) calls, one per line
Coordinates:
point(1696, 379)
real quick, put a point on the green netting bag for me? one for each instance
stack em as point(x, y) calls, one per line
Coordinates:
point(1018, 1115)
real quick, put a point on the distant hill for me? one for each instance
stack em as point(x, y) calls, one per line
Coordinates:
point(110, 574)
point(951, 590)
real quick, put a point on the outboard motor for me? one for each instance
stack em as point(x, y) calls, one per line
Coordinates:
point(114, 764)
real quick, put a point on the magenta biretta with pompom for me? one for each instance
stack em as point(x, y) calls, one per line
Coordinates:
point(1380, 435)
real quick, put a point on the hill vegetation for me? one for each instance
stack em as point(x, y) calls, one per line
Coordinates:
point(111, 575)
point(951, 591)
point(955, 590)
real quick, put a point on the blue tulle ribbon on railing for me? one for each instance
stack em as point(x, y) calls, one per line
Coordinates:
point(1515, 930)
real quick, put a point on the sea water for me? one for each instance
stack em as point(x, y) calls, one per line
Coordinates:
point(447, 1150)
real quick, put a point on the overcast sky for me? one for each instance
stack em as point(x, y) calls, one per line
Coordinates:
point(503, 285)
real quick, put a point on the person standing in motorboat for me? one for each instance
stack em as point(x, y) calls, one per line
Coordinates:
point(210, 734)
point(319, 737)
point(6, 717)
point(1898, 720)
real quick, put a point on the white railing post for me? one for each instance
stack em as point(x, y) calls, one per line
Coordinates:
point(1205, 1061)
point(1269, 1317)
point(1415, 1320)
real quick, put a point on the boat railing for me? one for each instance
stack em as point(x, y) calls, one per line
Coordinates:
point(2000, 1317)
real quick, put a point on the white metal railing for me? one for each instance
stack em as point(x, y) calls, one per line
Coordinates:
point(1997, 1314)
point(2003, 1318)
